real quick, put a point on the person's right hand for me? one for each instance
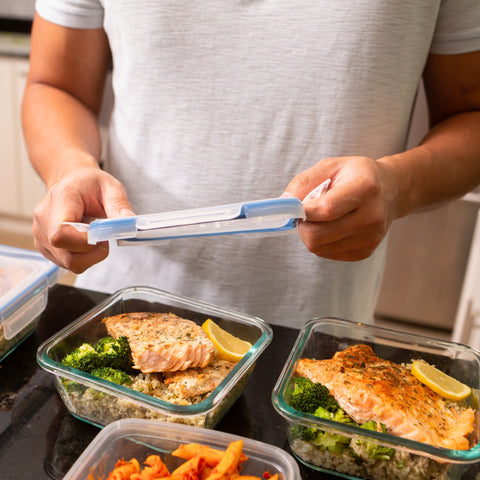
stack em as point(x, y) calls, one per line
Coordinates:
point(85, 192)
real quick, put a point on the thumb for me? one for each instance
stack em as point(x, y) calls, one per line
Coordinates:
point(115, 201)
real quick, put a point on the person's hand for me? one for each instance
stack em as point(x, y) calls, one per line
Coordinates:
point(86, 192)
point(350, 219)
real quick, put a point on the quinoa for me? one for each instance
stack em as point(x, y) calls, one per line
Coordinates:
point(355, 461)
point(101, 408)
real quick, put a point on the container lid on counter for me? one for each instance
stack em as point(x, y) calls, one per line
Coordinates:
point(271, 216)
point(25, 277)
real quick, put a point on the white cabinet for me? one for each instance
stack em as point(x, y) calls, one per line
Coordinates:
point(9, 195)
point(467, 324)
point(20, 187)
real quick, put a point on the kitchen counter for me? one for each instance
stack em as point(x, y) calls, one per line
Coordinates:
point(40, 439)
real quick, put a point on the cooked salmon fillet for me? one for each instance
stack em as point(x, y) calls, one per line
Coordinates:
point(162, 342)
point(369, 388)
point(197, 381)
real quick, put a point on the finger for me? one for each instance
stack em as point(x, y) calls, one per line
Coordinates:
point(52, 234)
point(342, 198)
point(319, 190)
point(74, 261)
point(69, 238)
point(333, 241)
point(364, 221)
point(115, 200)
point(306, 182)
point(347, 256)
point(79, 262)
point(353, 243)
point(65, 246)
point(46, 253)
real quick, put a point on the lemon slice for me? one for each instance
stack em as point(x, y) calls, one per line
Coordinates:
point(440, 382)
point(228, 346)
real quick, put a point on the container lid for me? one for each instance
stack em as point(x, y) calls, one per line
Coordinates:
point(133, 436)
point(271, 216)
point(25, 277)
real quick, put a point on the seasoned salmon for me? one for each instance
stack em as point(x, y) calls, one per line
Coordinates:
point(162, 342)
point(197, 381)
point(369, 388)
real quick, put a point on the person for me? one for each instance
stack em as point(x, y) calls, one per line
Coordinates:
point(223, 102)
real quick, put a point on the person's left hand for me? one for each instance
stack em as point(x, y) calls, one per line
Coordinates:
point(350, 219)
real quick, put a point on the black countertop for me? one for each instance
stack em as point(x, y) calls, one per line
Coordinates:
point(40, 439)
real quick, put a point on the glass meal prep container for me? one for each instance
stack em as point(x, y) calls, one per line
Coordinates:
point(139, 438)
point(25, 278)
point(101, 402)
point(320, 339)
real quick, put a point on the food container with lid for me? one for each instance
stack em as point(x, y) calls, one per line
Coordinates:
point(25, 278)
point(320, 339)
point(101, 402)
point(139, 438)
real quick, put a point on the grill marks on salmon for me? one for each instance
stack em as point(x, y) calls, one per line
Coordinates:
point(162, 342)
point(369, 388)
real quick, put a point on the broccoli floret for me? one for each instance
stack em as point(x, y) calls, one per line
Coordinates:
point(108, 352)
point(107, 348)
point(338, 416)
point(115, 353)
point(374, 450)
point(307, 396)
point(372, 425)
point(113, 375)
point(72, 387)
point(303, 433)
point(314, 398)
point(333, 442)
point(84, 358)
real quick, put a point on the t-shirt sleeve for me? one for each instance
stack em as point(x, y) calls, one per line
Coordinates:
point(458, 27)
point(71, 13)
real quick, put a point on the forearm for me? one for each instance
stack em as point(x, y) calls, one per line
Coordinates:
point(60, 132)
point(446, 165)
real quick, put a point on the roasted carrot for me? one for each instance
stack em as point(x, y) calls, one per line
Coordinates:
point(189, 470)
point(156, 469)
point(229, 464)
point(211, 455)
point(123, 470)
point(202, 463)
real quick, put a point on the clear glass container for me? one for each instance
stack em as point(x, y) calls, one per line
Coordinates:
point(101, 402)
point(320, 339)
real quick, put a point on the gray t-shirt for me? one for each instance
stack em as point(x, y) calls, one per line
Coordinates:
point(223, 102)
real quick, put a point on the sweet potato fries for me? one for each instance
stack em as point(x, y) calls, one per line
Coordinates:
point(201, 463)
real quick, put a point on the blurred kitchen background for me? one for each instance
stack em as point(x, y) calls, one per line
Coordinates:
point(431, 284)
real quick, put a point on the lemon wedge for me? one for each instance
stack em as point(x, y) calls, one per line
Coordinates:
point(229, 347)
point(440, 382)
